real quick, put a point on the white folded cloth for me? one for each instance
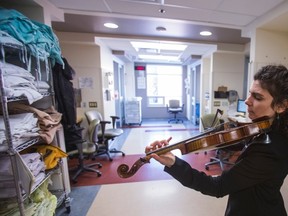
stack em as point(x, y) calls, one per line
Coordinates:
point(24, 125)
point(19, 82)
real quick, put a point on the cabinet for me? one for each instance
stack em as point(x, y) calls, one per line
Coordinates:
point(133, 112)
point(26, 93)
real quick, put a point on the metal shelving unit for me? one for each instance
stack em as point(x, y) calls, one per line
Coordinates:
point(62, 186)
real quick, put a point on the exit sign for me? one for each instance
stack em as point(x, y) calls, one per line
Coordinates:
point(140, 68)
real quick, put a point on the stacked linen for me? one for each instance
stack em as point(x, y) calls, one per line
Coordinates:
point(40, 38)
point(42, 86)
point(19, 82)
point(22, 126)
point(31, 161)
point(49, 120)
point(8, 40)
point(36, 166)
point(40, 202)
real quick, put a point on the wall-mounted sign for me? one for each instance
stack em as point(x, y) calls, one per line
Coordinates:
point(140, 68)
point(85, 82)
point(141, 82)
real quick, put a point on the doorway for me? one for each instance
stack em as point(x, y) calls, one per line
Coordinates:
point(195, 94)
point(119, 92)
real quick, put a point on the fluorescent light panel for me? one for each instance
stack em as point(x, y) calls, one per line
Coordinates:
point(160, 45)
point(159, 57)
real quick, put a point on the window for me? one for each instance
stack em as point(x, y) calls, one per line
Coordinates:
point(164, 82)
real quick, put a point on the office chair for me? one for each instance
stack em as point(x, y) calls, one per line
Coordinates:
point(175, 108)
point(210, 121)
point(105, 135)
point(86, 150)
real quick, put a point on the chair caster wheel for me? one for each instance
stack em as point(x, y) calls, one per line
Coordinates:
point(99, 174)
point(74, 181)
point(100, 166)
point(206, 167)
point(110, 159)
point(123, 154)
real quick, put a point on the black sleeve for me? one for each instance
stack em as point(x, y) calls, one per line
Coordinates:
point(193, 178)
point(256, 166)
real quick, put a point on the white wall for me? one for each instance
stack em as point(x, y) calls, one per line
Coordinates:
point(271, 47)
point(84, 56)
point(129, 80)
point(227, 69)
point(92, 59)
point(106, 61)
point(205, 86)
point(267, 47)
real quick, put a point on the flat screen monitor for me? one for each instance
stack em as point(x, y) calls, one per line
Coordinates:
point(241, 106)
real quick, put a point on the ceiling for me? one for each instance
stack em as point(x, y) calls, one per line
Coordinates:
point(230, 21)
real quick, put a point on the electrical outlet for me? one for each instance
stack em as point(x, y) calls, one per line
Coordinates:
point(93, 104)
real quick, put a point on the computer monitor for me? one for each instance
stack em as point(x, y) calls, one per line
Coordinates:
point(241, 106)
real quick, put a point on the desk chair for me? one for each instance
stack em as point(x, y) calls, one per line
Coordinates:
point(105, 135)
point(86, 150)
point(222, 156)
point(175, 108)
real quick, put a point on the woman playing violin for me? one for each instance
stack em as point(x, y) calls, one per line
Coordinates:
point(253, 183)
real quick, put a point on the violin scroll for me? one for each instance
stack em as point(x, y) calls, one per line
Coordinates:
point(124, 172)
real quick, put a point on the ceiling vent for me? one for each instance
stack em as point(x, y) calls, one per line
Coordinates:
point(191, 59)
point(147, 1)
point(125, 57)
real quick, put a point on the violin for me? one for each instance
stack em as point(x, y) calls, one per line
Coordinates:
point(207, 141)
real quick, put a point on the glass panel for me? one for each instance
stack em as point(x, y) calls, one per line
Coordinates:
point(164, 81)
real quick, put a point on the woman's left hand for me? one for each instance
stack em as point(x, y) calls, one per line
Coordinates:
point(167, 159)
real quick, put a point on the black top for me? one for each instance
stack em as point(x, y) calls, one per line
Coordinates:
point(253, 183)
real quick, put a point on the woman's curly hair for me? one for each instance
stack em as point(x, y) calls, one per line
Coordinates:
point(274, 78)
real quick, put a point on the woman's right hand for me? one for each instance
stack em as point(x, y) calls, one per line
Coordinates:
point(167, 159)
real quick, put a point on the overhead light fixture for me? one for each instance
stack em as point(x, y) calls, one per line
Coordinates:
point(205, 33)
point(154, 50)
point(159, 45)
point(111, 25)
point(159, 57)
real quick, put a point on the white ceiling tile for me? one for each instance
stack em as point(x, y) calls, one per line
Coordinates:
point(203, 4)
point(139, 18)
point(226, 18)
point(86, 5)
point(248, 7)
point(150, 11)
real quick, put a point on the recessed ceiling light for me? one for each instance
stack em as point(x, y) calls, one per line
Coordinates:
point(111, 25)
point(205, 33)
